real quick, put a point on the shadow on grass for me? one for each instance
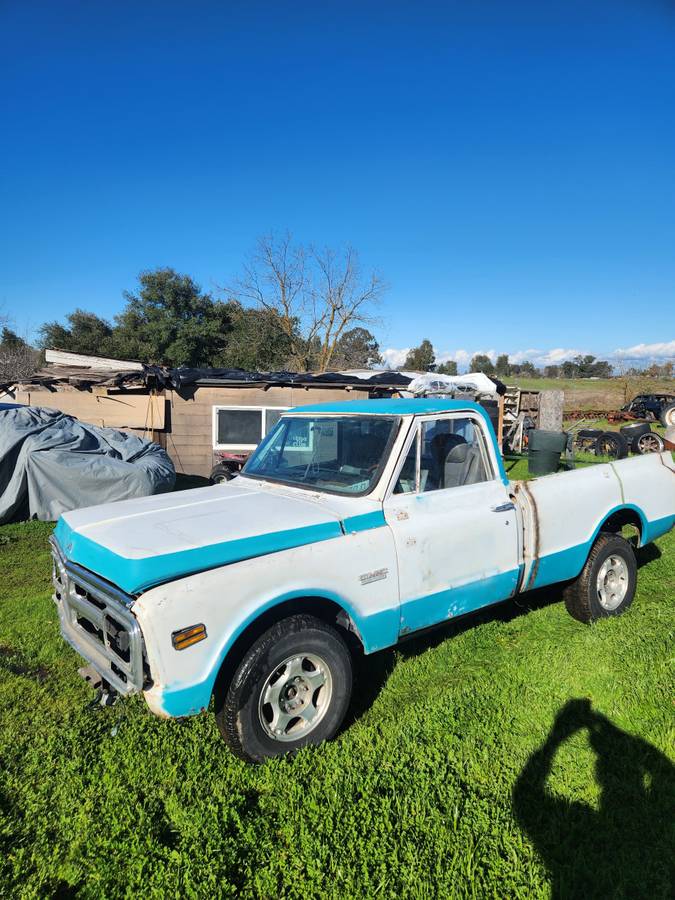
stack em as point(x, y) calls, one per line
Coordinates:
point(622, 849)
point(373, 671)
point(647, 554)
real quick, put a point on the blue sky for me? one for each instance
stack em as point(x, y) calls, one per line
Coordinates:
point(508, 167)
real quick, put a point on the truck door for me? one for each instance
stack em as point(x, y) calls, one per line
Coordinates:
point(454, 525)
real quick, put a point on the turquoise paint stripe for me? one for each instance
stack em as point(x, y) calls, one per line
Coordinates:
point(567, 564)
point(658, 528)
point(378, 631)
point(561, 566)
point(364, 522)
point(136, 575)
point(435, 608)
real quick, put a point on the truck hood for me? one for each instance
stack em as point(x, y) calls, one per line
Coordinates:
point(136, 544)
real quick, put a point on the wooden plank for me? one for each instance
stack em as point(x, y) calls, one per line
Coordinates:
point(65, 358)
point(184, 433)
point(112, 411)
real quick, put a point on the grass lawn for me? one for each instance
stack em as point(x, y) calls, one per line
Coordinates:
point(508, 755)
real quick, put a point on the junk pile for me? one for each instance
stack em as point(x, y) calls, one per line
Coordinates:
point(473, 386)
point(51, 463)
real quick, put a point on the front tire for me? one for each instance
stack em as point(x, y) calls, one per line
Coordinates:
point(606, 585)
point(291, 689)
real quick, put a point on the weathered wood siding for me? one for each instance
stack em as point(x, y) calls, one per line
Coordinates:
point(102, 407)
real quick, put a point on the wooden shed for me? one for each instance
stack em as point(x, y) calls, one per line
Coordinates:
point(198, 416)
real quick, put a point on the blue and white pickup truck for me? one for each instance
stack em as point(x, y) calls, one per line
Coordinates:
point(352, 526)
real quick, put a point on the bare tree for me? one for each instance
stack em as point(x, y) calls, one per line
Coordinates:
point(17, 365)
point(343, 298)
point(18, 360)
point(315, 295)
point(274, 278)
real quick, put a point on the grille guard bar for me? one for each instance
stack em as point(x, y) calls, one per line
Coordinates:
point(110, 603)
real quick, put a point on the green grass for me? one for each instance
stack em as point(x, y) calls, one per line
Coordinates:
point(463, 771)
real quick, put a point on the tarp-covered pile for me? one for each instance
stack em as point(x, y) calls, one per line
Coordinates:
point(51, 463)
point(471, 383)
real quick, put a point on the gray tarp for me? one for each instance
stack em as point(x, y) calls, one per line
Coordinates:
point(50, 463)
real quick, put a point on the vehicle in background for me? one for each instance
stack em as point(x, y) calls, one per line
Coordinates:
point(351, 527)
point(229, 465)
point(653, 408)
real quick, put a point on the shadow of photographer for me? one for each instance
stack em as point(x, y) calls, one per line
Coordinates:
point(625, 847)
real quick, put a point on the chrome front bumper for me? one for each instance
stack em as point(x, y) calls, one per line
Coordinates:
point(97, 621)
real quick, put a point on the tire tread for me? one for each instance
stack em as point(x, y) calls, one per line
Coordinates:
point(577, 594)
point(227, 717)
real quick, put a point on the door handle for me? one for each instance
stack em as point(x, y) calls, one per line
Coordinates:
point(503, 507)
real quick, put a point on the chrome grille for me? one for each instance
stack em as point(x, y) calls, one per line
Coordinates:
point(97, 622)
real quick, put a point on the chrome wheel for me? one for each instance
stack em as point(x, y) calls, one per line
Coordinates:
point(612, 582)
point(295, 697)
point(649, 443)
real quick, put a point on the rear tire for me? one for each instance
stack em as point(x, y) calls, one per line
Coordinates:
point(611, 443)
point(649, 443)
point(668, 415)
point(634, 431)
point(606, 585)
point(291, 689)
point(221, 473)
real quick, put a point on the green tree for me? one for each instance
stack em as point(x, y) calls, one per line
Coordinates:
point(171, 322)
point(528, 369)
point(481, 362)
point(602, 369)
point(10, 341)
point(85, 333)
point(255, 341)
point(502, 366)
point(422, 358)
point(449, 367)
point(356, 349)
point(552, 372)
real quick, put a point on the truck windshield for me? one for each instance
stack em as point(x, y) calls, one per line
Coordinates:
point(337, 454)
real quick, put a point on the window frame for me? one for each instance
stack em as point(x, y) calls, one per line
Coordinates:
point(397, 422)
point(216, 408)
point(415, 435)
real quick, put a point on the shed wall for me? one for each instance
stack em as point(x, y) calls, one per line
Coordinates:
point(189, 439)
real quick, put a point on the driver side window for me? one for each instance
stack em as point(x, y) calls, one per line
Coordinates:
point(446, 453)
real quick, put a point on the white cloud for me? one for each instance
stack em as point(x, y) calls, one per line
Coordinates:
point(461, 357)
point(395, 359)
point(665, 350)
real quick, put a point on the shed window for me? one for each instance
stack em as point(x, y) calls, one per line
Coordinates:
point(272, 416)
point(243, 428)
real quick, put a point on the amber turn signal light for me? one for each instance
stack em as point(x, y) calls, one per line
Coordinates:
point(186, 637)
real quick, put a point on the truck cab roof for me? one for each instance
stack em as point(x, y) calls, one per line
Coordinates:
point(422, 406)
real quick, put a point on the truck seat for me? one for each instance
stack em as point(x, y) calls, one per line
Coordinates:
point(455, 462)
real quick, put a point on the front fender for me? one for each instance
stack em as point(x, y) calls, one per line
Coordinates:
point(230, 599)
point(375, 632)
